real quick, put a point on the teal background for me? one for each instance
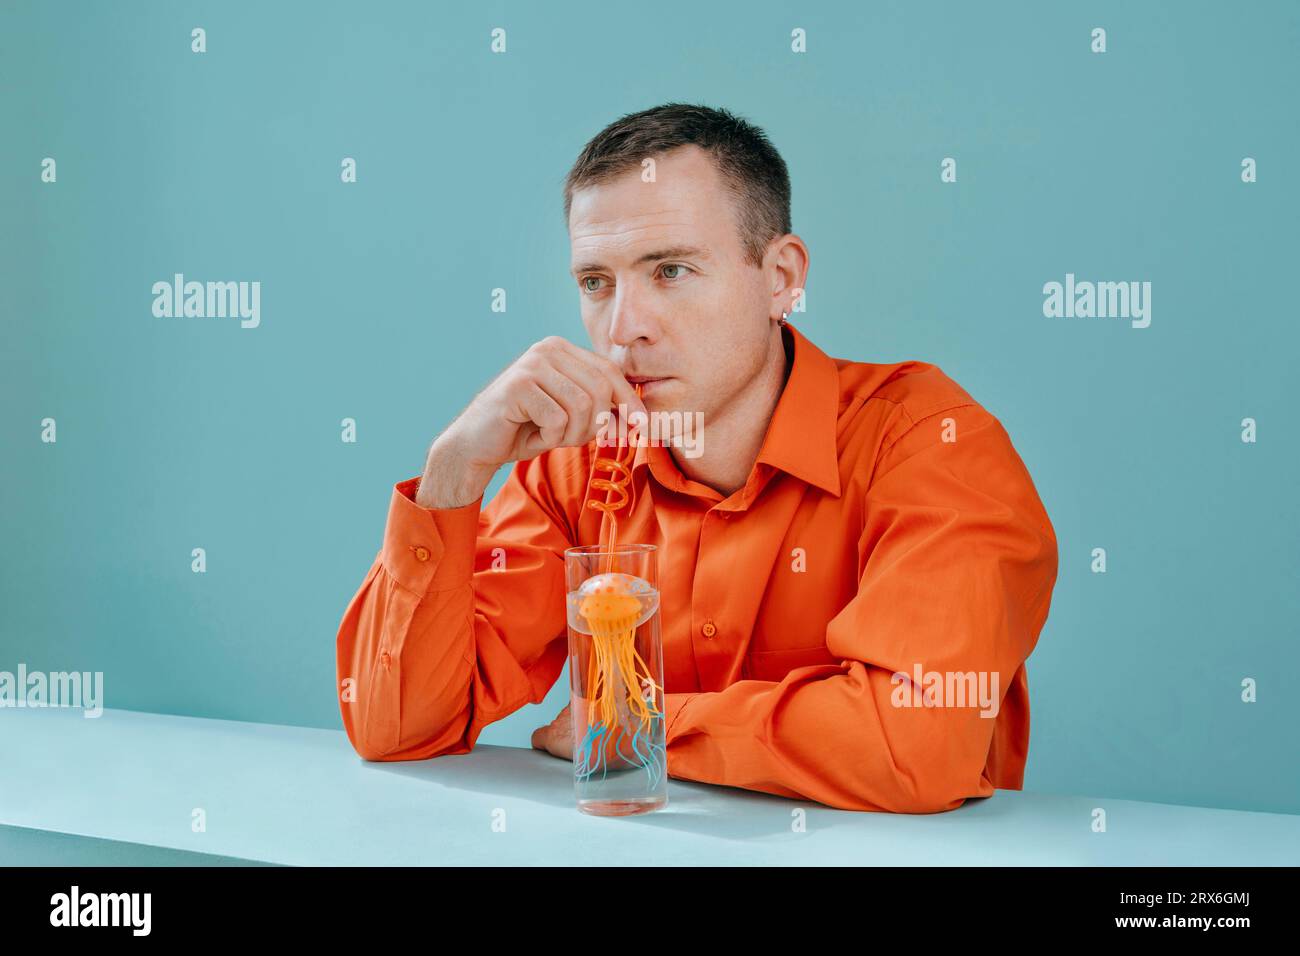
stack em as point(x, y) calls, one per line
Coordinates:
point(183, 433)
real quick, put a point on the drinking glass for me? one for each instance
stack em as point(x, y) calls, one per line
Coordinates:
point(620, 763)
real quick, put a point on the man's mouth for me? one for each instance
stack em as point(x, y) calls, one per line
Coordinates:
point(649, 384)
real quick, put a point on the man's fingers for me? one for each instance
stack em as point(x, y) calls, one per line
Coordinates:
point(578, 403)
point(623, 391)
point(553, 741)
point(626, 394)
point(566, 393)
point(549, 417)
point(588, 377)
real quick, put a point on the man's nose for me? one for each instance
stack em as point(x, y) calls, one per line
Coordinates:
point(632, 318)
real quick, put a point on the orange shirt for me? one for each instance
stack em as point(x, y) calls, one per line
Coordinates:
point(887, 528)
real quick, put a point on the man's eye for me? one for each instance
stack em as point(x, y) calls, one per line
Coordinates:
point(586, 283)
point(675, 275)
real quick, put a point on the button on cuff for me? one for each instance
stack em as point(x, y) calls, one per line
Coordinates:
point(429, 549)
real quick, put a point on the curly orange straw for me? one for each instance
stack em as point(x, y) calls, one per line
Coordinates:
point(617, 491)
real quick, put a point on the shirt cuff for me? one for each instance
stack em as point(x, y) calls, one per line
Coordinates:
point(429, 549)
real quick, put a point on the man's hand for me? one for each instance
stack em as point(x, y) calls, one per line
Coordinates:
point(556, 738)
point(551, 396)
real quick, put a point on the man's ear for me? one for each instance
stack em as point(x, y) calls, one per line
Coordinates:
point(786, 263)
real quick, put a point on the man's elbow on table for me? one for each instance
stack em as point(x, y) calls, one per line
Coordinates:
point(927, 792)
point(378, 736)
point(943, 779)
point(921, 781)
point(366, 738)
point(940, 798)
point(376, 746)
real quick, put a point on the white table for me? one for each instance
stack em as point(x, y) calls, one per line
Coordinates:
point(301, 796)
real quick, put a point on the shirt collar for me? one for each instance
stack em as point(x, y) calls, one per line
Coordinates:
point(801, 437)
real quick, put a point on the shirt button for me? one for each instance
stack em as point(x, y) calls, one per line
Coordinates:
point(709, 629)
point(421, 553)
point(385, 659)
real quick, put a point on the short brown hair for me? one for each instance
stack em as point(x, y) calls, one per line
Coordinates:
point(741, 152)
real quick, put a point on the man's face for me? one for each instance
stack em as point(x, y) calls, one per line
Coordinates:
point(664, 285)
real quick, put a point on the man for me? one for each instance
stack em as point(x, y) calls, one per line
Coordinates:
point(849, 530)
